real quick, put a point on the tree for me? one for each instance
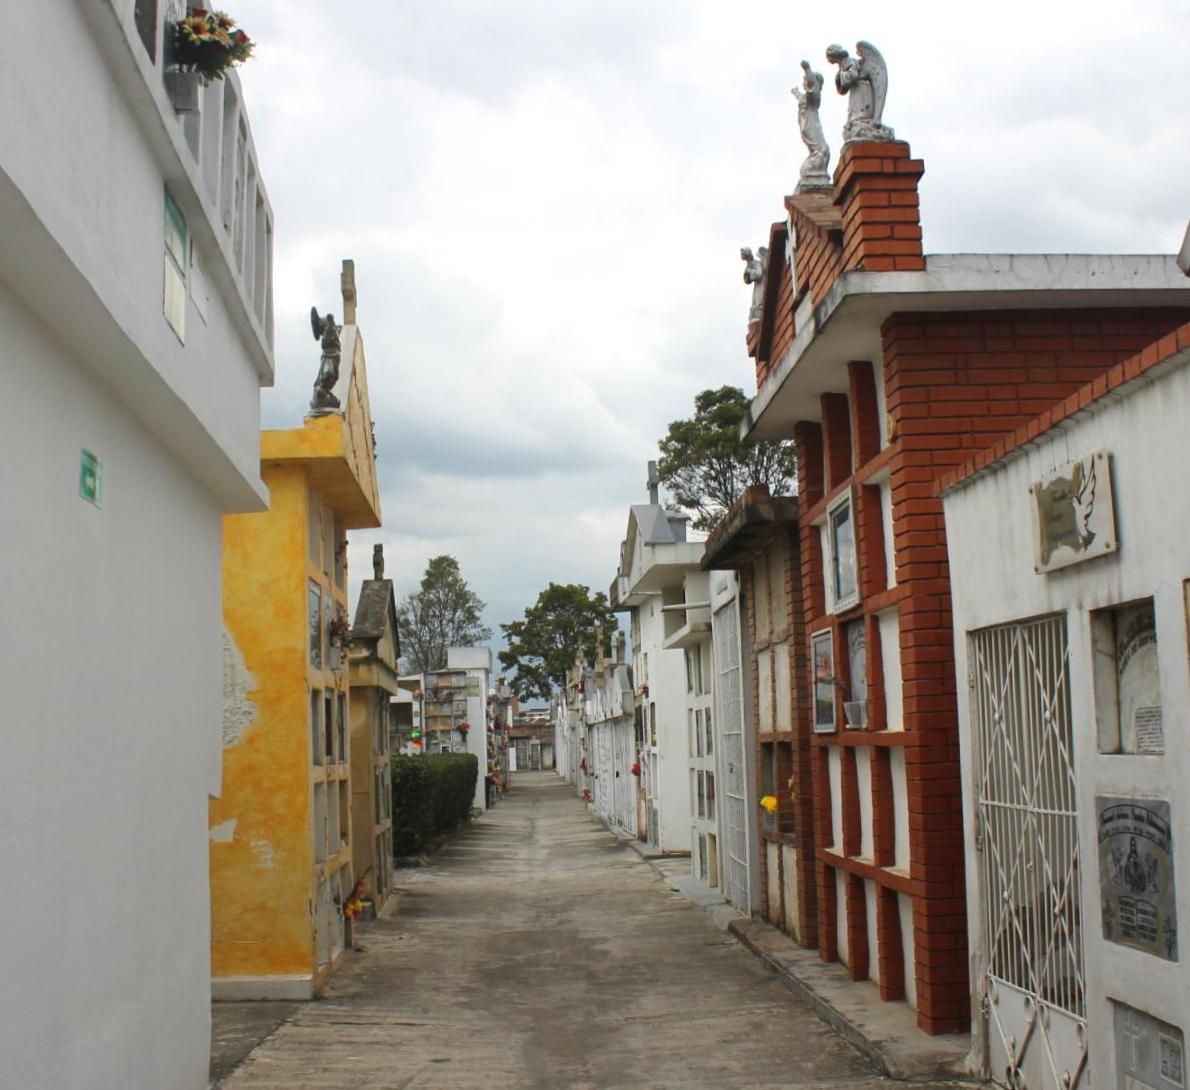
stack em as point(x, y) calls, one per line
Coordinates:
point(443, 613)
point(706, 466)
point(566, 621)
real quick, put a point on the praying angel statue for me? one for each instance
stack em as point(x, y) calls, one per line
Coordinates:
point(864, 79)
point(814, 173)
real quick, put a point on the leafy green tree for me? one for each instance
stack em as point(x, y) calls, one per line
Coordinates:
point(566, 620)
point(444, 612)
point(706, 466)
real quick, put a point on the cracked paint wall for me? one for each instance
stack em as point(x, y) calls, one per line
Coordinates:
point(260, 874)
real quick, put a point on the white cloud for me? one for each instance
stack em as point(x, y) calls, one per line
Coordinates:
point(545, 204)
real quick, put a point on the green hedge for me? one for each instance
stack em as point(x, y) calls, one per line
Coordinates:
point(431, 794)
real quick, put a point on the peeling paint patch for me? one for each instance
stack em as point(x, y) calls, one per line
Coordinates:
point(265, 855)
point(224, 831)
point(239, 712)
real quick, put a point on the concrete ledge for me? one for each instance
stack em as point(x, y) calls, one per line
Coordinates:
point(283, 986)
point(887, 1033)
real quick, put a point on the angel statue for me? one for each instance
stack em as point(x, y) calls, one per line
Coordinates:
point(864, 79)
point(328, 372)
point(809, 97)
point(755, 268)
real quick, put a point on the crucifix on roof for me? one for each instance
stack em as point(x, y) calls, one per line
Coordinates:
point(652, 483)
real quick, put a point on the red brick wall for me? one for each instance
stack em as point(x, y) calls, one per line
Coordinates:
point(818, 258)
point(870, 222)
point(954, 384)
point(876, 188)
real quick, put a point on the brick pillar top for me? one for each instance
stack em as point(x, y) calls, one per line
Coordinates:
point(876, 193)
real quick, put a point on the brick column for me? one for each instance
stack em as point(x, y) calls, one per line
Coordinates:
point(876, 191)
point(836, 436)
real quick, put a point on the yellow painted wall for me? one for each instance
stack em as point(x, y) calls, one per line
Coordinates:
point(261, 876)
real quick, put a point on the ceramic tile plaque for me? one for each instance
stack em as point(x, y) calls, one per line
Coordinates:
point(1075, 519)
point(1150, 1054)
point(1136, 879)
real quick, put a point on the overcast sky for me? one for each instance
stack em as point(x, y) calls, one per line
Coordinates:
point(545, 203)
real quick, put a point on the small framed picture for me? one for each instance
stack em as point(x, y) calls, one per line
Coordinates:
point(822, 656)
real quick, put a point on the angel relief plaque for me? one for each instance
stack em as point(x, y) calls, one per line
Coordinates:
point(1076, 519)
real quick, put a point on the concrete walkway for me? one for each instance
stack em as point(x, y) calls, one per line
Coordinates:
point(537, 954)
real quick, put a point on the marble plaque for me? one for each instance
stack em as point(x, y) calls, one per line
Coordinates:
point(1136, 877)
point(1150, 1054)
point(1075, 517)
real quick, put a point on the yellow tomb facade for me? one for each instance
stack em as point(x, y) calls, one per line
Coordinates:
point(280, 832)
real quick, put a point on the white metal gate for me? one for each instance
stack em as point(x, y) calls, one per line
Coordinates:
point(601, 744)
point(648, 783)
point(1032, 993)
point(623, 782)
point(733, 769)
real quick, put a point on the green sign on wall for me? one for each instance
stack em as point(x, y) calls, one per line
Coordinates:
point(90, 477)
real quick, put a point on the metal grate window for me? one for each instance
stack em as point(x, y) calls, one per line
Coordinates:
point(1027, 847)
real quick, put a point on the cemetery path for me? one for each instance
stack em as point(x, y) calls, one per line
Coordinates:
point(537, 953)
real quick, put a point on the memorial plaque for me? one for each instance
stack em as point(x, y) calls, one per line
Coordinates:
point(1141, 727)
point(822, 657)
point(1076, 519)
point(1150, 1054)
point(1136, 877)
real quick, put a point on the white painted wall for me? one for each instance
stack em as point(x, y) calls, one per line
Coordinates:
point(110, 662)
point(477, 662)
point(110, 659)
point(88, 146)
point(667, 688)
point(993, 579)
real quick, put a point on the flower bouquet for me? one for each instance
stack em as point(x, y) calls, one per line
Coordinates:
point(207, 43)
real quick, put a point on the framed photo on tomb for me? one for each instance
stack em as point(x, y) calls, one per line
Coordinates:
point(822, 667)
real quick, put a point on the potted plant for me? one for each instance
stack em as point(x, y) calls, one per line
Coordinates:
point(768, 815)
point(204, 45)
point(338, 633)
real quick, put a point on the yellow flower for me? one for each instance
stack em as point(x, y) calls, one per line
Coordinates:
point(769, 804)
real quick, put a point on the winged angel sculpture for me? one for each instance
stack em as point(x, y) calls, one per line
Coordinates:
point(324, 329)
point(864, 79)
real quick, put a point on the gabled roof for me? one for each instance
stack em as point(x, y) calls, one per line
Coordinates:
point(374, 610)
point(654, 521)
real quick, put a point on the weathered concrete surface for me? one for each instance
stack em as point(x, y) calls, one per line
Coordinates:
point(885, 1032)
point(535, 953)
point(237, 1028)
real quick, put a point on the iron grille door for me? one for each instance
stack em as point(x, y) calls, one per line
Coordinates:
point(1032, 989)
point(733, 773)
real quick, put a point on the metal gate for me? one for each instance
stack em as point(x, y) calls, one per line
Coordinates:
point(1032, 985)
point(648, 786)
point(624, 783)
point(733, 770)
point(601, 744)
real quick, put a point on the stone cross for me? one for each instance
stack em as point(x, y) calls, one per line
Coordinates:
point(347, 287)
point(377, 561)
point(652, 483)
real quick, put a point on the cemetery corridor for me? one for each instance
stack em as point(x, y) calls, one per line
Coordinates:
point(536, 953)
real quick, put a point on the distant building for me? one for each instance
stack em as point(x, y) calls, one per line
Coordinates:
point(281, 860)
point(531, 738)
point(608, 739)
point(654, 558)
point(375, 650)
point(765, 706)
point(136, 316)
point(454, 707)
